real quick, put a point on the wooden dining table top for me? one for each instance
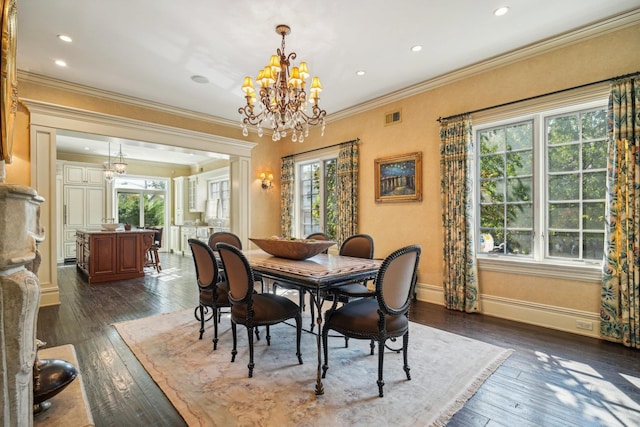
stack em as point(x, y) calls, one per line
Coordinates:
point(318, 272)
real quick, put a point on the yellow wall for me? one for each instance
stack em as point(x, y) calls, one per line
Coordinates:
point(395, 225)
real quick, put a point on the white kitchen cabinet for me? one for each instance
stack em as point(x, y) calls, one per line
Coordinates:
point(200, 232)
point(186, 233)
point(197, 193)
point(180, 200)
point(174, 239)
point(83, 209)
point(83, 175)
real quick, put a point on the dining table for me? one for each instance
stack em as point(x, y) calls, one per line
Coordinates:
point(314, 275)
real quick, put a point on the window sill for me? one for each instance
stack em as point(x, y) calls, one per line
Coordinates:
point(584, 273)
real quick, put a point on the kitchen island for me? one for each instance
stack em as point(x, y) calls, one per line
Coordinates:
point(104, 256)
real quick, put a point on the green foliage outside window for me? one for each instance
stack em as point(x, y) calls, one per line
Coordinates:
point(575, 150)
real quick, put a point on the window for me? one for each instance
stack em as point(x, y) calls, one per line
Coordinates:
point(316, 203)
point(541, 186)
point(219, 192)
point(141, 201)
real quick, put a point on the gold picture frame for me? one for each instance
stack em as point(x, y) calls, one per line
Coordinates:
point(399, 178)
point(9, 83)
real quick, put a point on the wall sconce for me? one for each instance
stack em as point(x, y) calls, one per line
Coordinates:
point(266, 179)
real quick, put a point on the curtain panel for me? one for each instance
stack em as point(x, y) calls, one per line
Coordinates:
point(460, 275)
point(287, 181)
point(620, 296)
point(347, 191)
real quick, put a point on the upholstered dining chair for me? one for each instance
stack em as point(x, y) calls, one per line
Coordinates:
point(382, 317)
point(212, 293)
point(233, 240)
point(315, 236)
point(253, 309)
point(357, 246)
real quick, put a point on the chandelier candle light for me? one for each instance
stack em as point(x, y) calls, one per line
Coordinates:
point(282, 98)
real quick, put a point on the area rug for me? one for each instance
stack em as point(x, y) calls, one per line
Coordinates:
point(208, 390)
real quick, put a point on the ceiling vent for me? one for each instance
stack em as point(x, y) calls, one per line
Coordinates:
point(393, 118)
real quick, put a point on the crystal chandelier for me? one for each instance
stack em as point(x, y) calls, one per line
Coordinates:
point(282, 99)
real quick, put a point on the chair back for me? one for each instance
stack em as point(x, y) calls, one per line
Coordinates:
point(396, 280)
point(205, 262)
point(224, 237)
point(319, 236)
point(157, 236)
point(358, 246)
point(239, 273)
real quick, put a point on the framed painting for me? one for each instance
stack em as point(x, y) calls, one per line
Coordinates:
point(399, 178)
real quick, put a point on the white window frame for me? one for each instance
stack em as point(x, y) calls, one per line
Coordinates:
point(120, 189)
point(537, 265)
point(304, 159)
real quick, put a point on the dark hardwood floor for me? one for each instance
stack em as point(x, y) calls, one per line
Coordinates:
point(551, 379)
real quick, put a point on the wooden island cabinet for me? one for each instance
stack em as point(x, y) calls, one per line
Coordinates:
point(104, 256)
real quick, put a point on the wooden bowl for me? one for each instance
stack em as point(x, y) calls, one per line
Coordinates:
point(293, 249)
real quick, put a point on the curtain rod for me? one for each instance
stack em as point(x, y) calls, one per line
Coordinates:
point(357, 140)
point(440, 119)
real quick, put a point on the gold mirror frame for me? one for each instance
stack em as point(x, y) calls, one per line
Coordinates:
point(9, 86)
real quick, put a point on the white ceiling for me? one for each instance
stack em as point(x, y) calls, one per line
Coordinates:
point(150, 49)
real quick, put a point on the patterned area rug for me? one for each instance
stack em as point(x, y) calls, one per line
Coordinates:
point(208, 390)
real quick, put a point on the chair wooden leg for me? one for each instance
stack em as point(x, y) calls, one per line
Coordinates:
point(251, 364)
point(234, 333)
point(157, 261)
point(405, 346)
point(215, 328)
point(380, 367)
point(200, 309)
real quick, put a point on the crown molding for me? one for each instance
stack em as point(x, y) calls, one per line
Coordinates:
point(50, 82)
point(581, 34)
point(590, 31)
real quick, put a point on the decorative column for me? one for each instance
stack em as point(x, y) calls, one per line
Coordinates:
point(20, 231)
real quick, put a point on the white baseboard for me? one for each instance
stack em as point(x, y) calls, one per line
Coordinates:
point(559, 318)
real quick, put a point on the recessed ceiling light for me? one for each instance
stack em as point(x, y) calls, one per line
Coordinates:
point(501, 11)
point(360, 73)
point(65, 38)
point(416, 48)
point(60, 63)
point(199, 79)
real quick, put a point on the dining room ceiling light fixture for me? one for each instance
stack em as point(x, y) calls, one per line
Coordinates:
point(281, 103)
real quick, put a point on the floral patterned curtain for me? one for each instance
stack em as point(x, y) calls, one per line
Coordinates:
point(620, 298)
point(287, 179)
point(456, 189)
point(347, 189)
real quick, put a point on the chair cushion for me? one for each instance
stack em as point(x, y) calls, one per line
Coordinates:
point(222, 296)
point(360, 318)
point(267, 309)
point(355, 289)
